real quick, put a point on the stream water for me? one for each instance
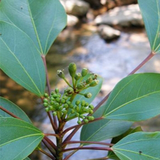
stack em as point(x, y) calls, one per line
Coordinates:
point(113, 61)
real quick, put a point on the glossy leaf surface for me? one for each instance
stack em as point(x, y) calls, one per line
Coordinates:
point(151, 15)
point(134, 98)
point(8, 105)
point(139, 146)
point(103, 129)
point(17, 138)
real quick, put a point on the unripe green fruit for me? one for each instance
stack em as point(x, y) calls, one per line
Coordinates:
point(63, 100)
point(90, 118)
point(64, 111)
point(78, 76)
point(72, 69)
point(94, 83)
point(83, 103)
point(54, 113)
point(60, 74)
point(58, 99)
point(86, 121)
point(45, 104)
point(91, 106)
point(46, 95)
point(84, 72)
point(65, 106)
point(88, 95)
point(45, 100)
point(89, 80)
point(81, 85)
point(79, 122)
point(78, 102)
point(47, 109)
point(72, 111)
point(57, 90)
point(91, 111)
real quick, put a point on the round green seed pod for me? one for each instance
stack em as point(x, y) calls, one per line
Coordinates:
point(88, 95)
point(45, 104)
point(94, 83)
point(72, 111)
point(45, 100)
point(46, 95)
point(80, 85)
point(78, 102)
point(64, 111)
point(90, 118)
point(78, 76)
point(72, 68)
point(47, 109)
point(84, 72)
point(54, 113)
point(91, 111)
point(83, 103)
point(89, 80)
point(58, 99)
point(63, 100)
point(79, 122)
point(57, 90)
point(65, 106)
point(86, 121)
point(91, 106)
point(60, 74)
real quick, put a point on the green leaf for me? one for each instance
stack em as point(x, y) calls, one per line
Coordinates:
point(139, 146)
point(8, 105)
point(27, 30)
point(20, 59)
point(134, 98)
point(40, 21)
point(103, 129)
point(112, 155)
point(94, 90)
point(150, 10)
point(17, 139)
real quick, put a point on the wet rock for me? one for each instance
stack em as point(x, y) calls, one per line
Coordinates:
point(76, 7)
point(124, 16)
point(72, 20)
point(108, 33)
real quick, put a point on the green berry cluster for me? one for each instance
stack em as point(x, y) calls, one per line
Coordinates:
point(61, 105)
point(80, 110)
point(57, 103)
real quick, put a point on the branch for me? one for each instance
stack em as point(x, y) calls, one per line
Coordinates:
point(135, 70)
point(90, 148)
point(89, 142)
point(54, 123)
point(47, 154)
point(8, 112)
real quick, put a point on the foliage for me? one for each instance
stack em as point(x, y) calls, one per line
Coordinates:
point(134, 98)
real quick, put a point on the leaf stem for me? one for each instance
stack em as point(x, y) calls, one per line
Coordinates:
point(47, 154)
point(8, 112)
point(89, 142)
point(54, 120)
point(50, 142)
point(135, 70)
point(49, 147)
point(51, 134)
point(79, 125)
point(89, 148)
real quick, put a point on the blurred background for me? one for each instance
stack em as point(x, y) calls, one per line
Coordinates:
point(107, 37)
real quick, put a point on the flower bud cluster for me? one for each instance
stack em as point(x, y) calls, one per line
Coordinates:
point(81, 109)
point(80, 81)
point(57, 103)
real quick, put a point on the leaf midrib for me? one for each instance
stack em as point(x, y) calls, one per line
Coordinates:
point(133, 100)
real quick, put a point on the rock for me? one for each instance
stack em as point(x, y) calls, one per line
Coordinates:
point(95, 4)
point(108, 33)
point(75, 7)
point(124, 16)
point(72, 20)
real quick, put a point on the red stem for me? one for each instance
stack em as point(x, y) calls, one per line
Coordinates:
point(90, 142)
point(79, 125)
point(8, 112)
point(49, 147)
point(90, 148)
point(135, 70)
point(50, 134)
point(50, 142)
point(54, 120)
point(47, 154)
